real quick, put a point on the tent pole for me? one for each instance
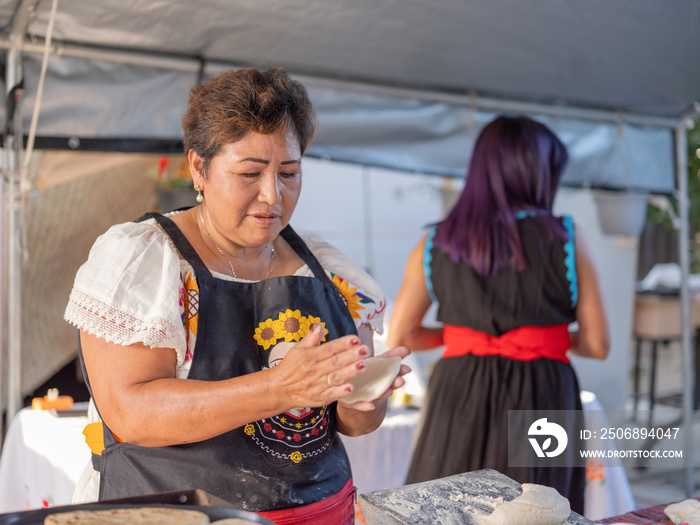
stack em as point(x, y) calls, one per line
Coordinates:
point(684, 260)
point(12, 206)
point(14, 252)
point(4, 302)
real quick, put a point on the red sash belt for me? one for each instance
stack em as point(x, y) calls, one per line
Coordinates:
point(338, 510)
point(526, 343)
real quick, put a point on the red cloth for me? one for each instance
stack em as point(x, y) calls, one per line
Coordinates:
point(526, 343)
point(649, 516)
point(338, 510)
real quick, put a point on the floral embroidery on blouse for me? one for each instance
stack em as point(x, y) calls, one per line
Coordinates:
point(352, 299)
point(189, 302)
point(357, 302)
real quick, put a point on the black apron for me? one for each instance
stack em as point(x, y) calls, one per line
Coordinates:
point(289, 460)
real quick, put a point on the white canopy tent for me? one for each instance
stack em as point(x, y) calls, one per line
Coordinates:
point(403, 84)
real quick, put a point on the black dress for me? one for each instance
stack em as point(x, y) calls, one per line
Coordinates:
point(464, 424)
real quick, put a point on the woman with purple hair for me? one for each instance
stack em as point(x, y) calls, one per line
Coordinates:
point(509, 278)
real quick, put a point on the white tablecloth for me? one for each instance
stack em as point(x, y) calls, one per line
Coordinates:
point(42, 459)
point(608, 491)
point(380, 460)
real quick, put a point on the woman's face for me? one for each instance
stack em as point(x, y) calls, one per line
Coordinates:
point(251, 187)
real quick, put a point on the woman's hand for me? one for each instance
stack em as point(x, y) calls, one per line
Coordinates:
point(399, 381)
point(314, 374)
point(364, 417)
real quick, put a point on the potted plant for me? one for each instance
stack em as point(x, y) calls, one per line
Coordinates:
point(621, 212)
point(659, 242)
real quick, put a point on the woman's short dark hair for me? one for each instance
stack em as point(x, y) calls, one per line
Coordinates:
point(237, 102)
point(516, 165)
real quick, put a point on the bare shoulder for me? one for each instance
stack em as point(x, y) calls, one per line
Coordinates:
point(419, 249)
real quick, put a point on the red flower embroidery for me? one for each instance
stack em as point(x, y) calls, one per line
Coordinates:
point(297, 438)
point(268, 427)
point(280, 434)
point(315, 432)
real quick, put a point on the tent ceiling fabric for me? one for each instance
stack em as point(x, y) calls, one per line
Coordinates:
point(629, 56)
point(638, 56)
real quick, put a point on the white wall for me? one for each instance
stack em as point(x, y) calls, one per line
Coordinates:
point(374, 216)
point(615, 258)
point(377, 216)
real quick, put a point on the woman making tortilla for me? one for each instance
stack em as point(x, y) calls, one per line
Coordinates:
point(218, 345)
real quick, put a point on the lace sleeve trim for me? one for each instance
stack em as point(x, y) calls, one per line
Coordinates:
point(116, 326)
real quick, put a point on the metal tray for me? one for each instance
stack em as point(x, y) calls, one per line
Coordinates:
point(176, 497)
point(36, 517)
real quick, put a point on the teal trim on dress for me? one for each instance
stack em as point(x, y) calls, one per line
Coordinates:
point(570, 260)
point(521, 214)
point(427, 259)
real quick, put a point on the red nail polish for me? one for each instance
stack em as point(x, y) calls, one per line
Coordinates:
point(348, 389)
point(354, 341)
point(364, 351)
point(361, 365)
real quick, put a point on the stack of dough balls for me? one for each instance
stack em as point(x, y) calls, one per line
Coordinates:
point(537, 505)
point(138, 516)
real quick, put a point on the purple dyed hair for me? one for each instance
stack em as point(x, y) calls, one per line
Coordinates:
point(516, 165)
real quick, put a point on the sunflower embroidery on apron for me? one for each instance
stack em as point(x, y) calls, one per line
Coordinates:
point(300, 434)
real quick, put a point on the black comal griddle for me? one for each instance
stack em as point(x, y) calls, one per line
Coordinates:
point(215, 508)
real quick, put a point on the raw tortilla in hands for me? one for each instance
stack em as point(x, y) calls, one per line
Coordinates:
point(373, 382)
